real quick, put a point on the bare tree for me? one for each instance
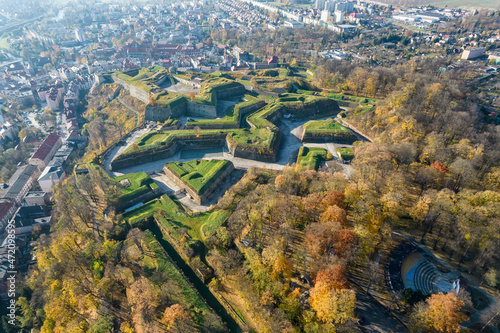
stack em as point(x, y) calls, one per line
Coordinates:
point(373, 271)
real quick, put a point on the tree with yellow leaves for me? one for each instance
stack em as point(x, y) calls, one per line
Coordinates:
point(334, 306)
point(442, 313)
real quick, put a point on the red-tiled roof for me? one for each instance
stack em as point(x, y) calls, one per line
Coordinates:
point(46, 146)
point(4, 208)
point(273, 59)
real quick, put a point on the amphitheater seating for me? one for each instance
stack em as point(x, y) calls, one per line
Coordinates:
point(425, 277)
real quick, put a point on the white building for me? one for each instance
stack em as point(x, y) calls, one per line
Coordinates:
point(339, 17)
point(325, 15)
point(51, 176)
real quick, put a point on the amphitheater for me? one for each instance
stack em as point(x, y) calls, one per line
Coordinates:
point(412, 268)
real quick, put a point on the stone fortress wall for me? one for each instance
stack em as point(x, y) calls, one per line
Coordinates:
point(199, 199)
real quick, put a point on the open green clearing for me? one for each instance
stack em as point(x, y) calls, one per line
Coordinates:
point(310, 158)
point(253, 138)
point(173, 217)
point(138, 184)
point(364, 101)
point(4, 44)
point(346, 153)
point(328, 129)
point(199, 175)
point(157, 139)
point(325, 127)
point(354, 99)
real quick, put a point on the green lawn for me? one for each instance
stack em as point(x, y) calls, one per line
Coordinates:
point(199, 174)
point(5, 45)
point(310, 158)
point(214, 221)
point(353, 99)
point(140, 184)
point(258, 138)
point(157, 139)
point(330, 129)
point(346, 153)
point(171, 122)
point(174, 218)
point(325, 126)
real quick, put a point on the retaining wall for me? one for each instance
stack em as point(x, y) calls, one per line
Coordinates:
point(142, 198)
point(257, 154)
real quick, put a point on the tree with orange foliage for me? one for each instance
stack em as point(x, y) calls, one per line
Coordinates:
point(443, 313)
point(318, 238)
point(334, 214)
point(323, 237)
point(192, 95)
point(177, 319)
point(335, 276)
point(312, 205)
point(333, 198)
point(343, 240)
point(440, 167)
point(279, 181)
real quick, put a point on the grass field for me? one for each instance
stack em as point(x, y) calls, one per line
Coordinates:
point(5, 45)
point(262, 136)
point(140, 183)
point(346, 153)
point(325, 126)
point(199, 174)
point(310, 158)
point(173, 217)
point(258, 138)
point(157, 139)
point(328, 129)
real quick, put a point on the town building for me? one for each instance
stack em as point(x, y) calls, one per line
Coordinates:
point(473, 53)
point(7, 209)
point(34, 198)
point(20, 183)
point(325, 15)
point(46, 151)
point(51, 176)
